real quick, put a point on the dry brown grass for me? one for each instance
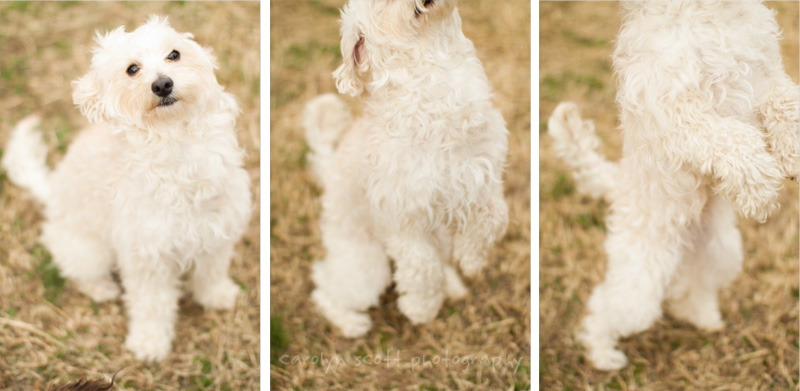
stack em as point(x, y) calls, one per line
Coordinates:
point(758, 348)
point(493, 322)
point(48, 331)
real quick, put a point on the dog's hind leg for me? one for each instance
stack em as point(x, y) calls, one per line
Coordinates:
point(420, 272)
point(355, 271)
point(714, 263)
point(350, 280)
point(83, 259)
point(648, 234)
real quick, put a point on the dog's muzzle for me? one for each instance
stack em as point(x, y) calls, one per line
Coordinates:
point(163, 88)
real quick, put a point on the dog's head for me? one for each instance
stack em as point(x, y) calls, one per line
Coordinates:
point(375, 32)
point(153, 74)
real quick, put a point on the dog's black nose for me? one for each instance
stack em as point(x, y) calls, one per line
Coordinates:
point(162, 87)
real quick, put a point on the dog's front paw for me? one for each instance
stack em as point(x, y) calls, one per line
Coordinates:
point(608, 359)
point(788, 158)
point(786, 149)
point(355, 324)
point(220, 295)
point(420, 308)
point(472, 264)
point(100, 290)
point(453, 286)
point(149, 344)
point(781, 117)
point(753, 190)
point(757, 201)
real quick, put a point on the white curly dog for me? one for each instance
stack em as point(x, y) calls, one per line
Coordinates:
point(154, 188)
point(710, 125)
point(710, 122)
point(418, 177)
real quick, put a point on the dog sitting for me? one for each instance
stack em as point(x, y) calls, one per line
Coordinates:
point(153, 189)
point(418, 177)
point(710, 122)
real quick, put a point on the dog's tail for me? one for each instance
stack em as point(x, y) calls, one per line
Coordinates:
point(575, 142)
point(25, 158)
point(325, 118)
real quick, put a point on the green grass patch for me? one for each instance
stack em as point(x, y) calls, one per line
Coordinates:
point(18, 6)
point(590, 220)
point(62, 46)
point(563, 187)
point(62, 135)
point(324, 9)
point(585, 41)
point(13, 68)
point(205, 364)
point(298, 57)
point(384, 340)
point(278, 339)
point(590, 81)
point(302, 160)
point(49, 274)
point(550, 87)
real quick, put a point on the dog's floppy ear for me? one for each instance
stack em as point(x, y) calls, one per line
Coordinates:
point(87, 91)
point(87, 96)
point(354, 59)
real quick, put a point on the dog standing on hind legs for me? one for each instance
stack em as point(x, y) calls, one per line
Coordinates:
point(418, 177)
point(710, 123)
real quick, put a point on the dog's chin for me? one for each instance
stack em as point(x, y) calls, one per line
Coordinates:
point(166, 101)
point(165, 109)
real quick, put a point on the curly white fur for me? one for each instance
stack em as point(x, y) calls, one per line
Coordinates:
point(151, 190)
point(418, 177)
point(710, 122)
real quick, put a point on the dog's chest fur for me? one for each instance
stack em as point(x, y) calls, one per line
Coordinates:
point(445, 157)
point(185, 193)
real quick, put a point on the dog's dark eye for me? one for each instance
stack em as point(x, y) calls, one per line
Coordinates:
point(174, 55)
point(132, 70)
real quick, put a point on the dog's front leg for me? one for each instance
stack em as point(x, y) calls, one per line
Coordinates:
point(151, 297)
point(210, 283)
point(781, 117)
point(485, 224)
point(419, 273)
point(735, 154)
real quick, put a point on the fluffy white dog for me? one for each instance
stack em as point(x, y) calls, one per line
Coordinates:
point(418, 177)
point(154, 188)
point(710, 122)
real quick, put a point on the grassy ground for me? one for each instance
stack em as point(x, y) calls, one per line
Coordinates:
point(493, 323)
point(758, 348)
point(48, 331)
